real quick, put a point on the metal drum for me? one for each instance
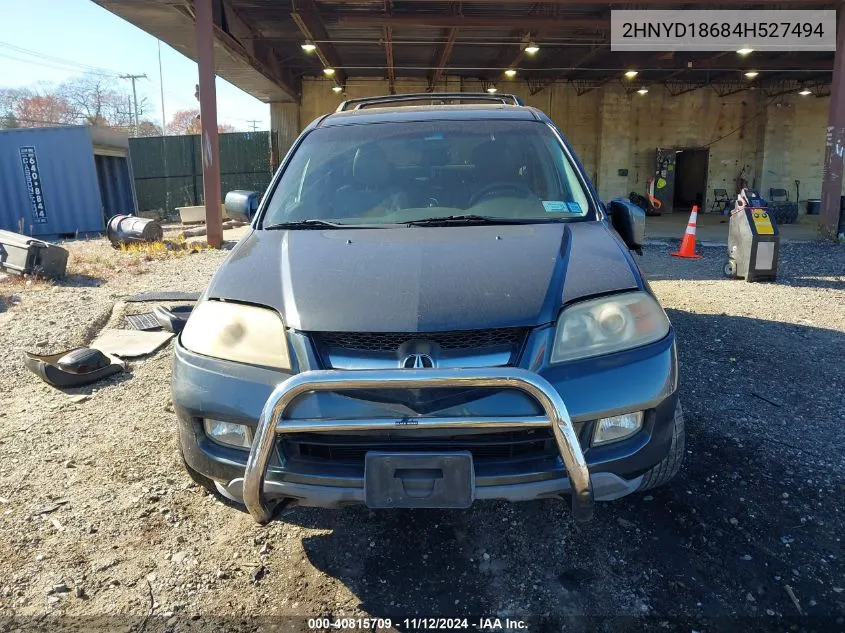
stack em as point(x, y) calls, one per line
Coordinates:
point(128, 229)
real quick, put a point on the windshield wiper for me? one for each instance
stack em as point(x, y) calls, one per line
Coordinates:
point(319, 224)
point(467, 219)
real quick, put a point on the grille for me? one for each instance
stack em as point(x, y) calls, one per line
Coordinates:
point(346, 449)
point(391, 341)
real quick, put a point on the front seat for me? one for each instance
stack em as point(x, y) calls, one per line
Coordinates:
point(495, 163)
point(373, 189)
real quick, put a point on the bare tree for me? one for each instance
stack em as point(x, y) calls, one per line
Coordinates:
point(96, 102)
point(91, 99)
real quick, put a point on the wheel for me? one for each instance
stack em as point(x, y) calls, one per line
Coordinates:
point(669, 467)
point(730, 269)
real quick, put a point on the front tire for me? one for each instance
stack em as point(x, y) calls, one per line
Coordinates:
point(666, 470)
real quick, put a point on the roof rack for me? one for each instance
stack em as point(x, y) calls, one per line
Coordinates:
point(358, 104)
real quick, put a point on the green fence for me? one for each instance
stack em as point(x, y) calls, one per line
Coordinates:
point(168, 169)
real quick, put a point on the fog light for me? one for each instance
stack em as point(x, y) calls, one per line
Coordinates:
point(617, 427)
point(227, 433)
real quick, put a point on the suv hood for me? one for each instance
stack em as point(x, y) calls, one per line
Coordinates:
point(424, 279)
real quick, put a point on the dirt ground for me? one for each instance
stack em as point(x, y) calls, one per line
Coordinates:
point(99, 524)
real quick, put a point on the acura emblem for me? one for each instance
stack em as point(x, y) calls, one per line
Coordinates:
point(418, 361)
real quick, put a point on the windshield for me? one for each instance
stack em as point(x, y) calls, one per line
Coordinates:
point(394, 173)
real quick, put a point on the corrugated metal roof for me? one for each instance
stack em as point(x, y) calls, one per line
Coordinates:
point(58, 163)
point(487, 37)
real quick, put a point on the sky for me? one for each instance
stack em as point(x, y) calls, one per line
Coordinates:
point(71, 37)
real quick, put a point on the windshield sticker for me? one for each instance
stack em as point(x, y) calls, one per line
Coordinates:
point(574, 207)
point(555, 206)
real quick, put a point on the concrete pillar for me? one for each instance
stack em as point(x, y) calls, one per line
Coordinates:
point(208, 119)
point(614, 148)
point(778, 170)
point(835, 138)
point(284, 128)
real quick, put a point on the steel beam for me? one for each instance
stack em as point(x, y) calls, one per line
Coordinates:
point(387, 34)
point(242, 40)
point(835, 138)
point(204, 16)
point(562, 76)
point(307, 18)
point(641, 4)
point(443, 56)
point(439, 21)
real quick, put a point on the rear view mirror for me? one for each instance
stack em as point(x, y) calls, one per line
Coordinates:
point(241, 205)
point(629, 221)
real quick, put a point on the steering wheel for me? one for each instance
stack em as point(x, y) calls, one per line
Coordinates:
point(500, 188)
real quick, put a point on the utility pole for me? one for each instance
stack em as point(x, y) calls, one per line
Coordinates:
point(161, 85)
point(253, 123)
point(134, 95)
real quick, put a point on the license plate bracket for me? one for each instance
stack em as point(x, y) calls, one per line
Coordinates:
point(419, 480)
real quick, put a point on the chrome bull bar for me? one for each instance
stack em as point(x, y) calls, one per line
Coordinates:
point(273, 422)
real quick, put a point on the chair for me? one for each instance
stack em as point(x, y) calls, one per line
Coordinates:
point(720, 198)
point(778, 195)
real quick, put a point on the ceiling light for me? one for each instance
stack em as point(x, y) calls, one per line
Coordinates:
point(328, 72)
point(308, 46)
point(751, 74)
point(510, 72)
point(805, 92)
point(642, 91)
point(744, 51)
point(531, 48)
point(492, 90)
point(337, 89)
point(631, 74)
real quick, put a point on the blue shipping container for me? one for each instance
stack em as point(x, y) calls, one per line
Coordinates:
point(49, 184)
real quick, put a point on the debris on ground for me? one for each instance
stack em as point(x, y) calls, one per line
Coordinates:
point(73, 368)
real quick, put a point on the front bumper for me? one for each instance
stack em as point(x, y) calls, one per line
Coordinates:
point(641, 379)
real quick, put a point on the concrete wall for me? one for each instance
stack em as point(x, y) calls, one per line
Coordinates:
point(777, 140)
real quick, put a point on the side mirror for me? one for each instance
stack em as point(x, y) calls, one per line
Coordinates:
point(629, 221)
point(241, 205)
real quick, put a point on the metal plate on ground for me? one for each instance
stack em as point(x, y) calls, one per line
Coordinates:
point(419, 480)
point(143, 321)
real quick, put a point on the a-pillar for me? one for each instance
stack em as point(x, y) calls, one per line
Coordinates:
point(835, 139)
point(208, 118)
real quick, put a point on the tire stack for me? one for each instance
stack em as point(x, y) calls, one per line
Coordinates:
point(784, 212)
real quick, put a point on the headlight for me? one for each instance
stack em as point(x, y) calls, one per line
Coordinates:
point(617, 427)
point(609, 324)
point(228, 433)
point(238, 332)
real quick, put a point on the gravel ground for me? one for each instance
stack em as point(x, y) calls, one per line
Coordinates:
point(98, 519)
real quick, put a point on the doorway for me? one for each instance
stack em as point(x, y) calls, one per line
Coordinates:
point(690, 179)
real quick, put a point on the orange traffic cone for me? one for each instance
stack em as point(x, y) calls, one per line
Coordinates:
point(687, 249)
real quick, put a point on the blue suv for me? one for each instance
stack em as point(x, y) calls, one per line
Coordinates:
point(432, 306)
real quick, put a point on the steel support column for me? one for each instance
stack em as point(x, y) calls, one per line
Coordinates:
point(835, 138)
point(208, 117)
